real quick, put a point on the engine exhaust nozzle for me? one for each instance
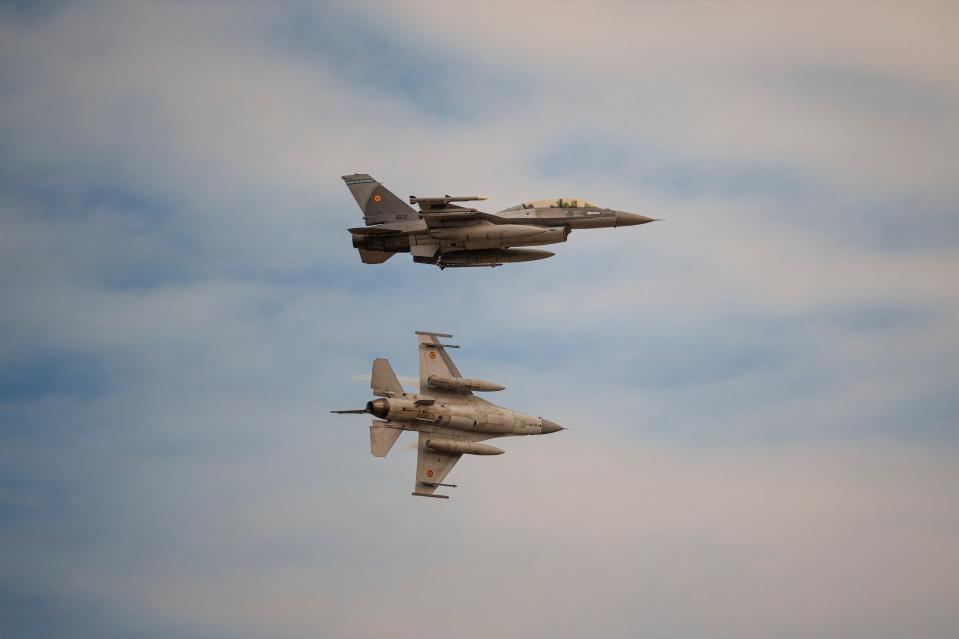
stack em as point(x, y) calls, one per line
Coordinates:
point(378, 408)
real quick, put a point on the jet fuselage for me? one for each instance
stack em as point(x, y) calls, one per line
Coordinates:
point(469, 414)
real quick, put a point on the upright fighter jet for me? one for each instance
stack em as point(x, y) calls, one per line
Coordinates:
point(447, 234)
point(450, 420)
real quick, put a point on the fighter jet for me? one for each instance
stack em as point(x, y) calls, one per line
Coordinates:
point(448, 234)
point(450, 419)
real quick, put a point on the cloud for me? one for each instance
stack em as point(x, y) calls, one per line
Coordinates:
point(760, 389)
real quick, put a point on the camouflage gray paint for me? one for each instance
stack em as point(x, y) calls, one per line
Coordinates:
point(448, 235)
point(449, 419)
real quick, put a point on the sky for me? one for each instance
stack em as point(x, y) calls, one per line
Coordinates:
point(761, 391)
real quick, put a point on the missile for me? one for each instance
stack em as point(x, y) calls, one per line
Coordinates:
point(488, 232)
point(463, 383)
point(460, 447)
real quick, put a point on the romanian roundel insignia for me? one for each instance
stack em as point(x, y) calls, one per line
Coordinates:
point(432, 354)
point(377, 197)
point(429, 472)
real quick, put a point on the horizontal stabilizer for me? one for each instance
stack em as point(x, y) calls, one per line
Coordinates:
point(383, 381)
point(374, 257)
point(382, 438)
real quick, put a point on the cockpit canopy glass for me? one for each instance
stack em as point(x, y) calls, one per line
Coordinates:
point(558, 203)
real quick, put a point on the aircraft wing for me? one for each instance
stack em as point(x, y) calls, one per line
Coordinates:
point(434, 360)
point(457, 217)
point(432, 467)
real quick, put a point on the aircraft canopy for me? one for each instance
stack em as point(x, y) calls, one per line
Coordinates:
point(557, 203)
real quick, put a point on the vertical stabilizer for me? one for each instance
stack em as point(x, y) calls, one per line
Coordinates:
point(378, 204)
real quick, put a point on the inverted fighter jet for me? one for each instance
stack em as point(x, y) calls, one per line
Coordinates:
point(447, 234)
point(450, 419)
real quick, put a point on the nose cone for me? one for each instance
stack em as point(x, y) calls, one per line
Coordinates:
point(551, 427)
point(631, 219)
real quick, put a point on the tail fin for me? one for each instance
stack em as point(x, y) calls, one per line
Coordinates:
point(383, 381)
point(376, 201)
